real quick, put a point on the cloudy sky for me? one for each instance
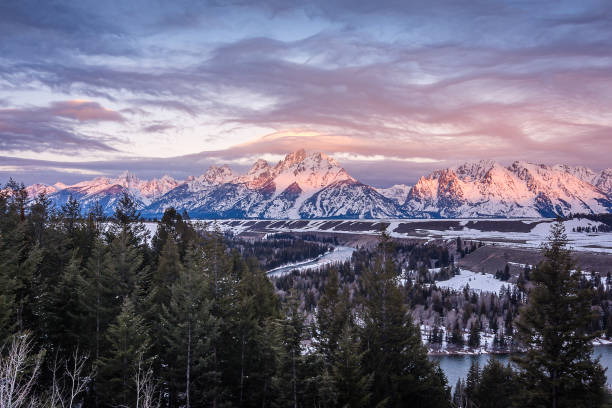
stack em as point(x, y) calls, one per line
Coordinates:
point(392, 89)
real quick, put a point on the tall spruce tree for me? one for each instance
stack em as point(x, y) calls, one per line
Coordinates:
point(158, 291)
point(472, 382)
point(497, 386)
point(67, 316)
point(393, 352)
point(127, 262)
point(129, 343)
point(558, 369)
point(190, 330)
point(252, 367)
point(288, 385)
point(333, 315)
point(99, 288)
point(221, 276)
point(352, 386)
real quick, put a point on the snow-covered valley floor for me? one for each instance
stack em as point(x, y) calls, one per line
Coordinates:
point(523, 233)
point(480, 282)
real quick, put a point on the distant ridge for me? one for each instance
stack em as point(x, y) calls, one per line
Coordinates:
point(314, 185)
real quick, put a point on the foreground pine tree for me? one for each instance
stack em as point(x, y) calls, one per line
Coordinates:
point(190, 330)
point(496, 387)
point(129, 343)
point(402, 373)
point(558, 370)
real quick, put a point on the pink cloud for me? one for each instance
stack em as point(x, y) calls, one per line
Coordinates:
point(84, 111)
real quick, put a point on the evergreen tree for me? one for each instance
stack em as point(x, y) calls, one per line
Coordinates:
point(472, 382)
point(474, 337)
point(459, 395)
point(71, 215)
point(221, 287)
point(287, 384)
point(174, 225)
point(40, 211)
point(402, 373)
point(126, 222)
point(169, 268)
point(7, 307)
point(353, 388)
point(497, 386)
point(99, 287)
point(333, 316)
point(252, 360)
point(190, 330)
point(558, 369)
point(127, 262)
point(67, 318)
point(129, 344)
point(457, 334)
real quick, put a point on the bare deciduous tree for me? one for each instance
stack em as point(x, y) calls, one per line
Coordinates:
point(72, 382)
point(146, 387)
point(18, 373)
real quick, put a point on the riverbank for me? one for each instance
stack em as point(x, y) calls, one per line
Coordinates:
point(598, 342)
point(456, 366)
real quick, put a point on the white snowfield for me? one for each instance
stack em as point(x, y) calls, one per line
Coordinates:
point(476, 281)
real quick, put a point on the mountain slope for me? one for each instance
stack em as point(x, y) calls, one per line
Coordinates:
point(397, 192)
point(349, 199)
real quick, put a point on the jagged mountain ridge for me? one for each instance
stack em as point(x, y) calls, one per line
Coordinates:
point(106, 191)
point(280, 191)
point(316, 186)
point(487, 189)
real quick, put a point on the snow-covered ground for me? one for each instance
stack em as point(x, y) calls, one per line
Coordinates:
point(476, 281)
point(338, 255)
point(486, 342)
point(579, 241)
point(151, 228)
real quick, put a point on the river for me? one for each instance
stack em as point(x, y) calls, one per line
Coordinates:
point(456, 367)
point(337, 255)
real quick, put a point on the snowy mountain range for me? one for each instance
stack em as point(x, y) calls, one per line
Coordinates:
point(316, 186)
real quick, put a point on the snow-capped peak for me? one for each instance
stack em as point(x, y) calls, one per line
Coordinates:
point(214, 176)
point(310, 171)
point(35, 189)
point(397, 192)
point(475, 170)
point(155, 188)
point(258, 176)
point(290, 160)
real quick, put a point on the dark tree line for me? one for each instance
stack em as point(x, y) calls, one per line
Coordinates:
point(279, 249)
point(180, 319)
